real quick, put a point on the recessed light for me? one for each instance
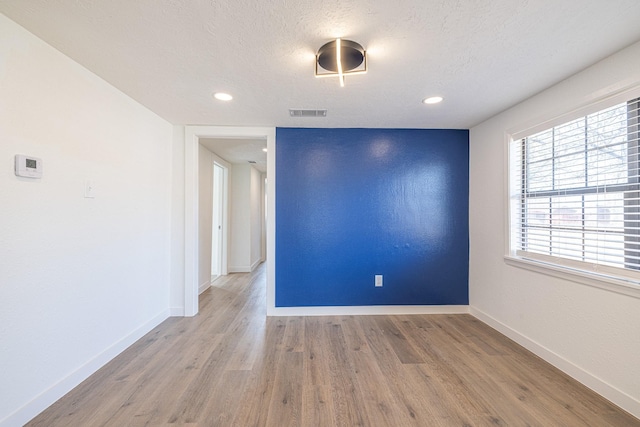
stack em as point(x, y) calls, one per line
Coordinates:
point(221, 96)
point(432, 100)
point(264, 149)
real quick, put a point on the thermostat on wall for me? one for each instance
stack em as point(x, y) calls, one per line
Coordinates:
point(28, 166)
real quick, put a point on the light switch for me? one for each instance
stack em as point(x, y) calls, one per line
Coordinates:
point(89, 190)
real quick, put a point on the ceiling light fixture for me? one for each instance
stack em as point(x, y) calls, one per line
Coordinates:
point(221, 96)
point(432, 100)
point(340, 58)
point(264, 149)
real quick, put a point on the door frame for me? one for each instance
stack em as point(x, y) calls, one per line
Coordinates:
point(191, 142)
point(222, 206)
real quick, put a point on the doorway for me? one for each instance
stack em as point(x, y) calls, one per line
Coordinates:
point(192, 135)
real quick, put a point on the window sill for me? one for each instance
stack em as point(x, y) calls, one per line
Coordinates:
point(609, 283)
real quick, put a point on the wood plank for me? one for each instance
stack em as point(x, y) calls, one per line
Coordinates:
point(285, 408)
point(380, 403)
point(445, 389)
point(152, 401)
point(293, 340)
point(317, 405)
point(353, 334)
point(348, 405)
point(391, 370)
point(404, 349)
point(231, 366)
point(249, 347)
point(260, 385)
point(428, 399)
point(316, 360)
point(224, 401)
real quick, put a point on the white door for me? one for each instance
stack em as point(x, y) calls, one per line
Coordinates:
point(217, 220)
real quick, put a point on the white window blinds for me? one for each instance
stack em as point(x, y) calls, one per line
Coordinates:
point(575, 192)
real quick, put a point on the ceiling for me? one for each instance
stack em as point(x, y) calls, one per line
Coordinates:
point(482, 56)
point(239, 151)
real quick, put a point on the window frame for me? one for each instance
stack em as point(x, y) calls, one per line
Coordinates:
point(625, 281)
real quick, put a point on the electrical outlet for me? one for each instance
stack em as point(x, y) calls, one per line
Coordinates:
point(378, 280)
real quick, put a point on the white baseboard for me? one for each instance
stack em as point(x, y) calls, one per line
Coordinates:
point(367, 310)
point(618, 397)
point(256, 264)
point(55, 392)
point(204, 286)
point(176, 312)
point(240, 269)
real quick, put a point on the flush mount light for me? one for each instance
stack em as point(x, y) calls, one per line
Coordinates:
point(432, 100)
point(340, 58)
point(264, 149)
point(221, 96)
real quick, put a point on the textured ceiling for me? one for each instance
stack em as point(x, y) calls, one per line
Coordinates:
point(482, 56)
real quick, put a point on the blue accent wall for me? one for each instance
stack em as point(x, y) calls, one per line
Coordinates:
point(353, 203)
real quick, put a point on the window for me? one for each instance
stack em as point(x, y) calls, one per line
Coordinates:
point(575, 193)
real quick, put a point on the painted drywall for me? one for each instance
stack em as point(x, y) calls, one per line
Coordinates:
point(240, 238)
point(80, 278)
point(206, 160)
point(245, 208)
point(589, 332)
point(354, 203)
point(177, 291)
point(256, 197)
point(205, 215)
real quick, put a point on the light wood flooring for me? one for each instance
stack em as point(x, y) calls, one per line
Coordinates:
point(232, 366)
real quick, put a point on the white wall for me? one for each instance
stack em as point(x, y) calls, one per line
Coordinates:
point(177, 291)
point(257, 219)
point(205, 213)
point(239, 221)
point(80, 279)
point(246, 227)
point(591, 333)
